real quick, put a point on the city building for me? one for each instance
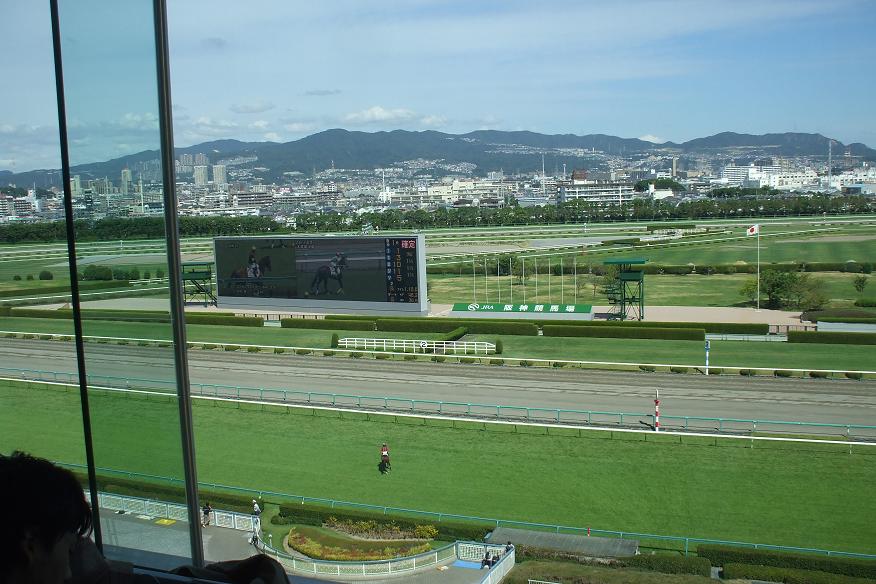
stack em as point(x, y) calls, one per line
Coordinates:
point(220, 179)
point(200, 175)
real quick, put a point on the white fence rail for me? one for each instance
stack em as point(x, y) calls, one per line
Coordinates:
point(418, 346)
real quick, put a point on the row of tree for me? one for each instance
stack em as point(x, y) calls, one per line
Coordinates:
point(570, 212)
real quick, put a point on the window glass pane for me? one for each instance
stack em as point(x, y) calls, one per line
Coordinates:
point(112, 110)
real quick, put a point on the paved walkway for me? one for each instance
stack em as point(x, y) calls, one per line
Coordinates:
point(164, 545)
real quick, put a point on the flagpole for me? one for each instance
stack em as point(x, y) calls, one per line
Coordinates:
point(758, 268)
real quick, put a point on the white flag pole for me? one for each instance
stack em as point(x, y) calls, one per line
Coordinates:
point(758, 267)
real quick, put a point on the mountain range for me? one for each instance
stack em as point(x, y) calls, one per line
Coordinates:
point(487, 149)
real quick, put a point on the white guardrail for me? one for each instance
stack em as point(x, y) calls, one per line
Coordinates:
point(467, 551)
point(418, 346)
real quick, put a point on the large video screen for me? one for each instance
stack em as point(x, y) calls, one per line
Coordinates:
point(319, 272)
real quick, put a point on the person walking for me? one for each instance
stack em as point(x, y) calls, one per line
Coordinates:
point(207, 510)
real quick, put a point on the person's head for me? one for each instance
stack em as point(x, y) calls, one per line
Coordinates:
point(384, 443)
point(46, 519)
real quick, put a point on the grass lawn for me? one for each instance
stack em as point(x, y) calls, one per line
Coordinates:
point(779, 493)
point(569, 572)
point(660, 290)
point(723, 353)
point(275, 336)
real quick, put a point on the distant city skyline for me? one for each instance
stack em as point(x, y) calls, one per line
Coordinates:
point(279, 71)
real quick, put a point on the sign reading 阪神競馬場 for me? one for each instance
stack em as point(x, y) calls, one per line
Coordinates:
point(523, 310)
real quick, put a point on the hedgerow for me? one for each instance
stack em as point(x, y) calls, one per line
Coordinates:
point(720, 555)
point(834, 338)
point(344, 325)
point(678, 334)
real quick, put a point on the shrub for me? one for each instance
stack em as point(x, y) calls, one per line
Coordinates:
point(208, 347)
point(279, 350)
point(466, 360)
point(303, 351)
point(839, 338)
point(678, 369)
point(382, 356)
point(120, 274)
point(668, 564)
point(454, 335)
point(559, 364)
point(747, 372)
point(30, 276)
point(134, 274)
point(147, 275)
point(224, 320)
point(854, 375)
point(525, 363)
point(415, 325)
point(335, 339)
point(495, 361)
point(356, 355)
point(49, 338)
point(410, 357)
point(159, 273)
point(716, 371)
point(16, 277)
point(231, 347)
point(500, 346)
point(622, 332)
point(727, 328)
point(818, 374)
point(426, 531)
point(345, 325)
point(314, 514)
point(866, 302)
point(786, 575)
point(46, 275)
point(328, 353)
point(439, 358)
point(253, 349)
point(720, 555)
point(783, 373)
point(648, 368)
point(96, 272)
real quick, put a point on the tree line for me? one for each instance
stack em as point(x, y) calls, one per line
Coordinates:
point(571, 212)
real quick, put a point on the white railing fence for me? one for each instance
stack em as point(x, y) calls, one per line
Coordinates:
point(418, 346)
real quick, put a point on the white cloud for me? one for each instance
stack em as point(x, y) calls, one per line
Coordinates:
point(433, 121)
point(300, 127)
point(321, 92)
point(652, 138)
point(255, 107)
point(273, 137)
point(259, 125)
point(377, 114)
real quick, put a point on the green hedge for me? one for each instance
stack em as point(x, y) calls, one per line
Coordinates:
point(670, 564)
point(787, 575)
point(866, 302)
point(727, 328)
point(64, 288)
point(834, 338)
point(676, 334)
point(346, 325)
point(848, 319)
point(197, 318)
point(454, 335)
point(313, 514)
point(721, 555)
point(418, 325)
point(492, 327)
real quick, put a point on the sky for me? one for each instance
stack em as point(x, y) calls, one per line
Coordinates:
point(279, 70)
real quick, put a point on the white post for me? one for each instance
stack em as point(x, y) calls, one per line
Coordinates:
point(758, 267)
point(550, 270)
point(474, 282)
point(708, 346)
point(486, 287)
point(511, 274)
point(498, 283)
point(523, 271)
point(562, 280)
point(575, 271)
point(536, 278)
point(656, 410)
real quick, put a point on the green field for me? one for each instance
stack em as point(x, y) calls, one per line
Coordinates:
point(814, 495)
point(770, 355)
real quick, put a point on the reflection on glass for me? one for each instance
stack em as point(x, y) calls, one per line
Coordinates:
point(109, 58)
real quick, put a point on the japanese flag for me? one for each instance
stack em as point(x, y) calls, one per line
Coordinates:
point(753, 230)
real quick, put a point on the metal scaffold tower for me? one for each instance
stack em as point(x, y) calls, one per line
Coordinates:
point(626, 294)
point(197, 280)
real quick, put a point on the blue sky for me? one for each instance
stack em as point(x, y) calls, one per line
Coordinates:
point(280, 70)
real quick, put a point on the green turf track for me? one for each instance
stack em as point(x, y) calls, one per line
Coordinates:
point(771, 355)
point(813, 495)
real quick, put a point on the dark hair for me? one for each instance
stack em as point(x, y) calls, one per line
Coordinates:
point(44, 500)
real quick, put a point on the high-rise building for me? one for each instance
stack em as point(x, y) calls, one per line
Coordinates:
point(125, 184)
point(201, 159)
point(200, 173)
point(186, 159)
point(219, 176)
point(75, 185)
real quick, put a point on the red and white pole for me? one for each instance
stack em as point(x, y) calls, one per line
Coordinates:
point(656, 410)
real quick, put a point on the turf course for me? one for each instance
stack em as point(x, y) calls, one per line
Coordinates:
point(813, 495)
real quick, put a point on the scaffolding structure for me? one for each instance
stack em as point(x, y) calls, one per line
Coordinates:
point(197, 278)
point(626, 294)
